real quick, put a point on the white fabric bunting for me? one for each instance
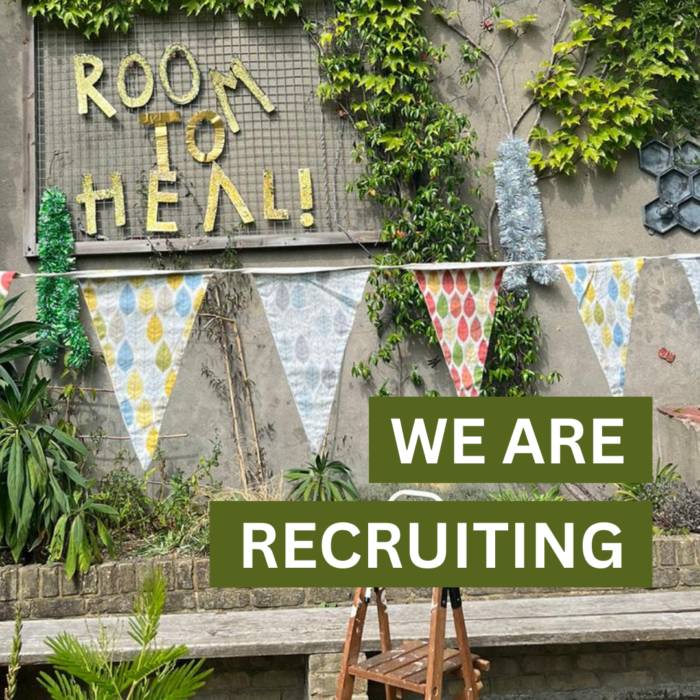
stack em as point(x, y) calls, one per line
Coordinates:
point(311, 316)
point(692, 272)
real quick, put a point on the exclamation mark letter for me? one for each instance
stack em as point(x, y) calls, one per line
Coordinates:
point(307, 197)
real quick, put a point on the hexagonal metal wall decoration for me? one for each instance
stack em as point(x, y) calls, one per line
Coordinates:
point(659, 217)
point(687, 157)
point(674, 185)
point(655, 157)
point(677, 172)
point(689, 214)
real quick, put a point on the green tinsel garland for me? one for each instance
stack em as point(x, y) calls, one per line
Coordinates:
point(58, 302)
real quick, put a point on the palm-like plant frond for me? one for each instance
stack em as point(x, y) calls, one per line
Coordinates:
point(154, 674)
point(322, 480)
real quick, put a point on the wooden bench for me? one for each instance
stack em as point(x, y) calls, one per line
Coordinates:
point(634, 617)
point(639, 617)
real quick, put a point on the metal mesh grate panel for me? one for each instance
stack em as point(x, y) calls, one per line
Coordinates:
point(299, 134)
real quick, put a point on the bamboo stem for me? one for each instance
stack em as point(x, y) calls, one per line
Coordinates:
point(122, 437)
point(232, 397)
point(249, 399)
point(83, 388)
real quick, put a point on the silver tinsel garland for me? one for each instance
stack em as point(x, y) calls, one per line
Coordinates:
point(520, 218)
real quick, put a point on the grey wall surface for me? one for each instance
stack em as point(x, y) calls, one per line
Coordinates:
point(590, 215)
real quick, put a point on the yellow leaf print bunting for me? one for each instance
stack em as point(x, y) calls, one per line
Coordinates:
point(143, 325)
point(605, 294)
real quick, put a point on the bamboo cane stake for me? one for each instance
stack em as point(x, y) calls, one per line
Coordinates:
point(249, 399)
point(232, 397)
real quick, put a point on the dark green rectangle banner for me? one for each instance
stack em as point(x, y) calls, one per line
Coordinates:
point(507, 440)
point(531, 544)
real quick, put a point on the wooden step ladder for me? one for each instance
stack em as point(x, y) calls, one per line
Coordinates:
point(415, 666)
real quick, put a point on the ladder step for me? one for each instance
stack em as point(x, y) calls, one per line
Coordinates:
point(407, 667)
point(479, 663)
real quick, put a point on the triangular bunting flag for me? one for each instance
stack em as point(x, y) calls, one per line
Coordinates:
point(605, 294)
point(5, 282)
point(692, 272)
point(143, 324)
point(462, 304)
point(311, 316)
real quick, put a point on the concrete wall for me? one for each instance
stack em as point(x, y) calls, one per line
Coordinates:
point(639, 671)
point(593, 214)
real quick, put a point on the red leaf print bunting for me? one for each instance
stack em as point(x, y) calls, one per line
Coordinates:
point(5, 282)
point(462, 304)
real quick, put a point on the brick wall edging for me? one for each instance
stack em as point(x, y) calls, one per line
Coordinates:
point(45, 591)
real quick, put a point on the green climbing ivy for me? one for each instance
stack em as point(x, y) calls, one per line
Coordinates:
point(378, 66)
point(515, 350)
point(93, 17)
point(57, 297)
point(623, 71)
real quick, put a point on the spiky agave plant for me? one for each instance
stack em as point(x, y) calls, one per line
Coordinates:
point(322, 480)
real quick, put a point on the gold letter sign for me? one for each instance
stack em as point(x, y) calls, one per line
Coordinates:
point(220, 181)
point(135, 59)
point(85, 84)
point(219, 136)
point(221, 81)
point(174, 51)
point(160, 121)
point(90, 196)
point(271, 212)
point(134, 71)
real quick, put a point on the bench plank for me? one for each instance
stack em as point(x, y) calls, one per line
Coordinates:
point(648, 616)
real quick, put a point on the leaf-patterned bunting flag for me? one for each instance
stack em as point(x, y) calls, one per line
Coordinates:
point(311, 316)
point(462, 304)
point(605, 294)
point(6, 278)
point(143, 325)
point(692, 272)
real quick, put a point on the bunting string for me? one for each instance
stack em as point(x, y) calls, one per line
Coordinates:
point(144, 318)
point(425, 267)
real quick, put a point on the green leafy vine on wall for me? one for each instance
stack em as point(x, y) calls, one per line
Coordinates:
point(623, 71)
point(93, 17)
point(378, 66)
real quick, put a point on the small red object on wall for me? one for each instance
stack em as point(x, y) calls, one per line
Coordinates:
point(667, 355)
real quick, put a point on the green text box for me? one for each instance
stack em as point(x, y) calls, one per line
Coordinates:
point(634, 540)
point(500, 417)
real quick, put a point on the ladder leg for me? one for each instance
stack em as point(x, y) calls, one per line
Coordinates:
point(353, 640)
point(384, 633)
point(436, 645)
point(471, 690)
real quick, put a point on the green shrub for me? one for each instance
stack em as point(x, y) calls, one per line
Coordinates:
point(181, 516)
point(678, 511)
point(448, 492)
point(40, 478)
point(663, 477)
point(13, 666)
point(43, 493)
point(127, 495)
point(523, 494)
point(80, 534)
point(322, 480)
point(676, 506)
point(91, 672)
